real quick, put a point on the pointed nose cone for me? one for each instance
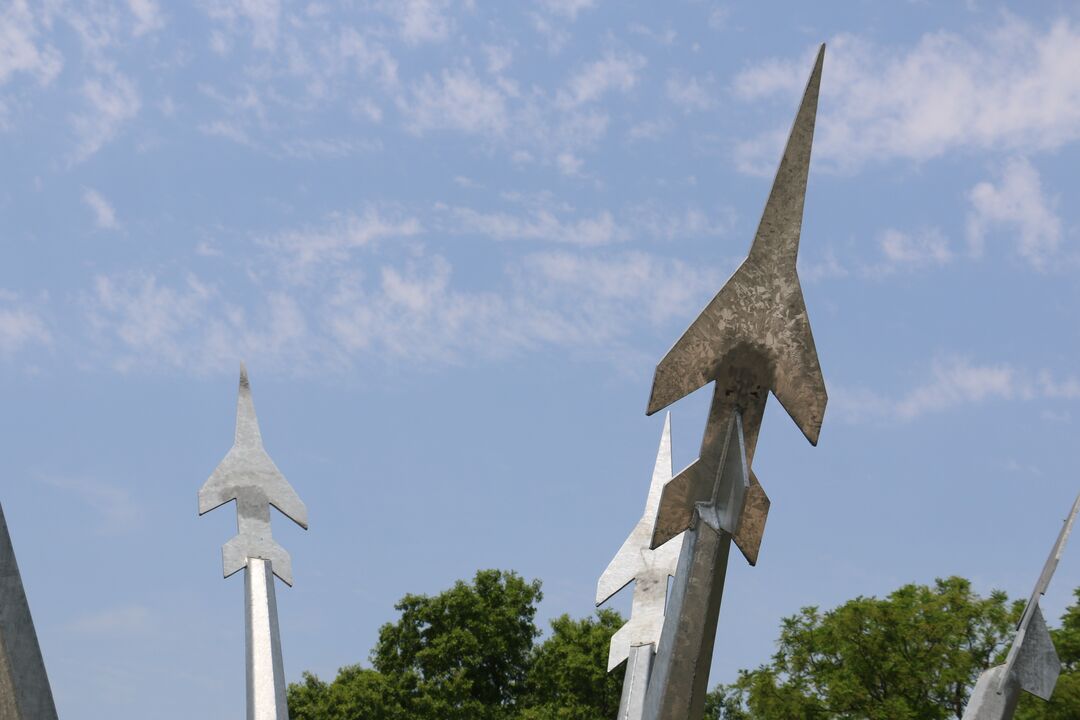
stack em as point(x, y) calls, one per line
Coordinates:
point(247, 425)
point(777, 238)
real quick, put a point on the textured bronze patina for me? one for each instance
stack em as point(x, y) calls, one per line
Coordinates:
point(752, 338)
point(25, 693)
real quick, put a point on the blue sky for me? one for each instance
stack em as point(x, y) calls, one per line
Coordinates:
point(451, 240)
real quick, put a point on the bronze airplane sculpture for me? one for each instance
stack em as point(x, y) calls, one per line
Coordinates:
point(752, 338)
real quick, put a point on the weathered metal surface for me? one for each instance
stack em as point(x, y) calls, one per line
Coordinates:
point(249, 476)
point(995, 696)
point(648, 569)
point(753, 337)
point(25, 693)
point(636, 681)
point(1032, 664)
point(265, 670)
point(680, 677)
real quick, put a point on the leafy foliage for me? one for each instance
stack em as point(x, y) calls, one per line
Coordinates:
point(465, 652)
point(568, 679)
point(468, 654)
point(911, 656)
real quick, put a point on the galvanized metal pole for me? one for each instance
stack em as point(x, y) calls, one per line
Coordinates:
point(680, 676)
point(639, 665)
point(265, 670)
point(25, 693)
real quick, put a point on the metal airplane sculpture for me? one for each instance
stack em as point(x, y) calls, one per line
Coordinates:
point(25, 693)
point(249, 476)
point(636, 641)
point(1032, 664)
point(752, 338)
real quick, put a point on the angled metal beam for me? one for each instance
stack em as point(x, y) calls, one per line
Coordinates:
point(680, 676)
point(25, 693)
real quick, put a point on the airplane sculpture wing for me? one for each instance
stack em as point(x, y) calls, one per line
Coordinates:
point(248, 476)
point(648, 569)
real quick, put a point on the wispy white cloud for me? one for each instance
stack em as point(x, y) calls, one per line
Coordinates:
point(954, 382)
point(827, 267)
point(690, 93)
point(905, 251)
point(648, 130)
point(21, 50)
point(136, 319)
point(613, 72)
point(568, 163)
point(258, 19)
point(551, 17)
point(957, 381)
point(104, 214)
point(422, 20)
point(21, 325)
point(566, 8)
point(1018, 202)
point(391, 304)
point(352, 51)
point(456, 100)
point(148, 16)
point(578, 303)
point(540, 224)
point(1011, 89)
point(141, 322)
point(111, 100)
point(299, 252)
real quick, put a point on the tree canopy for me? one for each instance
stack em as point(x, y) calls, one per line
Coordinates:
point(472, 652)
point(469, 653)
point(914, 655)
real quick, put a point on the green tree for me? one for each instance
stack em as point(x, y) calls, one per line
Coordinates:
point(568, 678)
point(356, 694)
point(911, 656)
point(463, 654)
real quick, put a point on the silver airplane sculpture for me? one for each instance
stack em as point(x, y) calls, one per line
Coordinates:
point(1032, 664)
point(636, 641)
point(25, 693)
point(752, 338)
point(248, 476)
